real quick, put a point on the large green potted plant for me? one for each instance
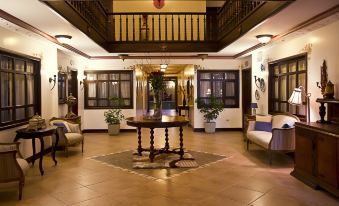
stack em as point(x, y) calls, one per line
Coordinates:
point(158, 86)
point(113, 117)
point(211, 110)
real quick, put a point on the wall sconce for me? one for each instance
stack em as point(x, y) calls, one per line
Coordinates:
point(82, 81)
point(63, 39)
point(52, 79)
point(123, 56)
point(260, 83)
point(264, 38)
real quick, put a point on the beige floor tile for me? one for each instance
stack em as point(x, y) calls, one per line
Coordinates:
point(77, 195)
point(240, 194)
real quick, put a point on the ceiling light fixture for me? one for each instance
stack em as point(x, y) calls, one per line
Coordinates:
point(264, 38)
point(63, 39)
point(162, 70)
point(163, 66)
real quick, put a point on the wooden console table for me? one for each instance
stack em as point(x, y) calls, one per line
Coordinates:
point(166, 122)
point(39, 134)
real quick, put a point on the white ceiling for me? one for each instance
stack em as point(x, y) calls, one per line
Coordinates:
point(42, 17)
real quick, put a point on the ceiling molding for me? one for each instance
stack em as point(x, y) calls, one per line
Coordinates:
point(162, 57)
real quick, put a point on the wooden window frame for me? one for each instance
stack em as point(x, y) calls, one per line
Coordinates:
point(130, 72)
point(224, 97)
point(13, 56)
point(271, 100)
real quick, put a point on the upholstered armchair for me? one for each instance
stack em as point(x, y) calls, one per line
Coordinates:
point(13, 166)
point(273, 133)
point(69, 133)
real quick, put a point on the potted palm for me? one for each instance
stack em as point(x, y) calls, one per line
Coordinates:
point(113, 117)
point(211, 111)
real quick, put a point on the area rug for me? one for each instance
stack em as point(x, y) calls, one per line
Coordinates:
point(162, 169)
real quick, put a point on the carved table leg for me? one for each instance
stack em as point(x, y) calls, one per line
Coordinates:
point(139, 141)
point(322, 112)
point(41, 155)
point(151, 151)
point(181, 143)
point(166, 140)
point(55, 147)
point(33, 147)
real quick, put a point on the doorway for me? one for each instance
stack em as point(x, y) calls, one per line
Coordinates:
point(73, 88)
point(246, 91)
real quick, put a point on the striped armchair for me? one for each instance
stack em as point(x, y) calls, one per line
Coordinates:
point(13, 166)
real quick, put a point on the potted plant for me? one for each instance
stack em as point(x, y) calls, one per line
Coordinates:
point(211, 111)
point(158, 87)
point(113, 117)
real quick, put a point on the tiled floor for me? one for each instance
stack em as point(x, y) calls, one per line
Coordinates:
point(244, 179)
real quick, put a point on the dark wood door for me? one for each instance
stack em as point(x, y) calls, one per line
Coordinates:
point(327, 159)
point(304, 151)
point(246, 91)
point(73, 88)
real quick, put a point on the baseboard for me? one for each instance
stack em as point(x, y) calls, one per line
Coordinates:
point(217, 129)
point(37, 155)
point(105, 130)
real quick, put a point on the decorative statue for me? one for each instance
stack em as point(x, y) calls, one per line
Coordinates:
point(329, 90)
point(323, 78)
point(70, 101)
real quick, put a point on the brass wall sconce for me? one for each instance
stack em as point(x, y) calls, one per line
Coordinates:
point(82, 82)
point(52, 79)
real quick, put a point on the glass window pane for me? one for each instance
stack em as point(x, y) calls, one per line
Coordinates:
point(20, 89)
point(30, 89)
point(292, 109)
point(292, 67)
point(217, 88)
point(102, 103)
point(205, 89)
point(102, 90)
point(276, 70)
point(276, 88)
point(125, 102)
point(29, 67)
point(6, 116)
point(283, 82)
point(92, 89)
point(125, 76)
point(301, 65)
point(218, 75)
point(283, 68)
point(125, 89)
point(31, 111)
point(20, 114)
point(292, 83)
point(114, 76)
point(205, 75)
point(230, 89)
point(102, 76)
point(114, 90)
point(230, 102)
point(20, 65)
point(6, 63)
point(301, 110)
point(283, 107)
point(91, 77)
point(230, 75)
point(6, 89)
point(92, 103)
point(302, 82)
point(276, 107)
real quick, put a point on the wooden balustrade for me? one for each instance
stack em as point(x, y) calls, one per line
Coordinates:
point(159, 27)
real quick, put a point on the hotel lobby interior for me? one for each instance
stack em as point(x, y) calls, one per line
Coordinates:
point(169, 102)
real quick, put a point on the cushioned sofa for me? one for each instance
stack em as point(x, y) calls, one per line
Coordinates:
point(274, 133)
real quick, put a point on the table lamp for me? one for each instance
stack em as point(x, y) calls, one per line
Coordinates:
point(253, 107)
point(296, 99)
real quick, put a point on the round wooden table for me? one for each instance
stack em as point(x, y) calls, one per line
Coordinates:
point(166, 122)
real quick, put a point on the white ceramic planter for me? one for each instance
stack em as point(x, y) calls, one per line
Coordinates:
point(209, 127)
point(113, 129)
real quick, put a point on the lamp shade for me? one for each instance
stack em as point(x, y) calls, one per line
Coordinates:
point(264, 38)
point(296, 98)
point(254, 105)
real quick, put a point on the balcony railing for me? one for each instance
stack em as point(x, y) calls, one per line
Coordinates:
point(159, 27)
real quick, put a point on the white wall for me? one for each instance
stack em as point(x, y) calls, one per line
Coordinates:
point(47, 52)
point(324, 46)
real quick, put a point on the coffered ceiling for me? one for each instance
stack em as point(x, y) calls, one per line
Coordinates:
point(41, 17)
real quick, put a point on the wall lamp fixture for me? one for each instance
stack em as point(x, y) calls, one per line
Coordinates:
point(52, 79)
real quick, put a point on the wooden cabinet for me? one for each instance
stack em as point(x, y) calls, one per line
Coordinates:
point(317, 155)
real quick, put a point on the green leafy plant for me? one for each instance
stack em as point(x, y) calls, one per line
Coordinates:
point(114, 116)
point(212, 109)
point(157, 81)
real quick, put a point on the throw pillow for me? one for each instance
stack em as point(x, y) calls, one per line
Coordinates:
point(286, 126)
point(60, 124)
point(263, 126)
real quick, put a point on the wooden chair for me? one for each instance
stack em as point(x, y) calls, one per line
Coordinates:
point(13, 166)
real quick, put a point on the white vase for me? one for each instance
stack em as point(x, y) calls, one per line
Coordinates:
point(209, 127)
point(113, 129)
